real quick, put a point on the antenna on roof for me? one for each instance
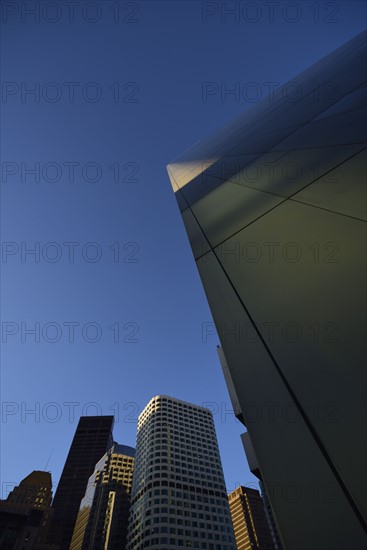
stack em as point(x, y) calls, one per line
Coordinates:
point(48, 460)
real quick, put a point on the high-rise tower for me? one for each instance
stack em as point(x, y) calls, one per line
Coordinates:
point(250, 525)
point(92, 439)
point(25, 513)
point(34, 491)
point(104, 510)
point(179, 498)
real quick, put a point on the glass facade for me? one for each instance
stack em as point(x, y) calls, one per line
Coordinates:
point(104, 511)
point(179, 497)
point(274, 207)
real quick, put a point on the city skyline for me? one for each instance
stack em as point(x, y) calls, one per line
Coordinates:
point(102, 305)
point(182, 435)
point(220, 412)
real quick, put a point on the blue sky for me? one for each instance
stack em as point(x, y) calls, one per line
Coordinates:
point(112, 289)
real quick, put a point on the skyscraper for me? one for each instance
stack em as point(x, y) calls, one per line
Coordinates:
point(92, 439)
point(34, 491)
point(179, 497)
point(25, 512)
point(104, 510)
point(274, 208)
point(250, 525)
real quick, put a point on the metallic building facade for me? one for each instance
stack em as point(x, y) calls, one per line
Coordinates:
point(179, 497)
point(274, 208)
point(93, 437)
point(104, 511)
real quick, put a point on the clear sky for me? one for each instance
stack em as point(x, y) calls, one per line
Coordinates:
point(120, 90)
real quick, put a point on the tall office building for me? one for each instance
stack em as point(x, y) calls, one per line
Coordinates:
point(34, 491)
point(104, 511)
point(25, 512)
point(179, 497)
point(250, 525)
point(92, 439)
point(274, 208)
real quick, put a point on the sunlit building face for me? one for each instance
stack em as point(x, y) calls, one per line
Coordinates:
point(179, 497)
point(104, 511)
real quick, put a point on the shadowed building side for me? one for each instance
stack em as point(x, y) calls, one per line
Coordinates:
point(92, 439)
point(274, 208)
point(25, 513)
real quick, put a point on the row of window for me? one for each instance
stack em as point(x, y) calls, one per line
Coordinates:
point(208, 530)
point(221, 518)
point(205, 423)
point(180, 440)
point(182, 543)
point(141, 515)
point(148, 503)
point(175, 404)
point(224, 534)
point(179, 444)
point(171, 493)
point(162, 458)
point(122, 460)
point(175, 484)
point(163, 476)
point(167, 421)
point(199, 478)
point(180, 451)
point(180, 458)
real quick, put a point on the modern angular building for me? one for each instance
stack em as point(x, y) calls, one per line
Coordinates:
point(92, 439)
point(179, 498)
point(250, 525)
point(274, 208)
point(104, 511)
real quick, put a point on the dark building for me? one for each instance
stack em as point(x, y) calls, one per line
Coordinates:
point(274, 208)
point(270, 518)
point(25, 513)
point(34, 491)
point(21, 531)
point(92, 439)
point(249, 520)
point(104, 511)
